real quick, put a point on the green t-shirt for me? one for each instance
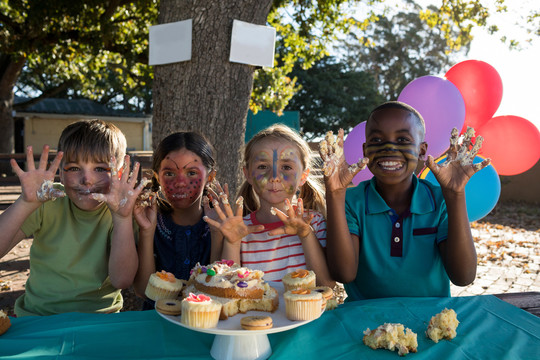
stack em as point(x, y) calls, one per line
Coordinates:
point(68, 261)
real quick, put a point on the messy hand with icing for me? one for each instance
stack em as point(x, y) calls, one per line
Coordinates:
point(458, 168)
point(37, 184)
point(337, 173)
point(123, 191)
point(215, 192)
point(295, 221)
point(230, 222)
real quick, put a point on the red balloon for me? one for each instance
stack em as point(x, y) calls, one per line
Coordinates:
point(512, 143)
point(481, 87)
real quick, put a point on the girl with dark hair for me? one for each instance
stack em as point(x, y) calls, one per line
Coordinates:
point(172, 234)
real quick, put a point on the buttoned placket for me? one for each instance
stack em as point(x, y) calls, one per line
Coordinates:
point(396, 238)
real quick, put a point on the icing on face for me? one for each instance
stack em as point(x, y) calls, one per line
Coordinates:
point(182, 177)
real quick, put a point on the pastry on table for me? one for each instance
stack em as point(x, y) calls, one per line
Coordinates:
point(299, 279)
point(163, 285)
point(443, 326)
point(5, 323)
point(169, 306)
point(256, 322)
point(226, 279)
point(391, 337)
point(302, 304)
point(200, 311)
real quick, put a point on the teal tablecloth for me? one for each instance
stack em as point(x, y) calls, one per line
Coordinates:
point(489, 329)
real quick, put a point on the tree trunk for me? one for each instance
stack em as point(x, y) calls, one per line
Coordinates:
point(10, 69)
point(209, 93)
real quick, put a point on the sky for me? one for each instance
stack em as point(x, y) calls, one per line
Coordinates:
point(519, 69)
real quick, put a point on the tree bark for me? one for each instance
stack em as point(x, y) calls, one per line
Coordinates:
point(10, 69)
point(209, 93)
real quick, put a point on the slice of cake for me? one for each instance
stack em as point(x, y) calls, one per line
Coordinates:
point(228, 280)
point(443, 326)
point(391, 337)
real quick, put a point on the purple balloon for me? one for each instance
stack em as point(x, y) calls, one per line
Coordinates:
point(441, 105)
point(352, 148)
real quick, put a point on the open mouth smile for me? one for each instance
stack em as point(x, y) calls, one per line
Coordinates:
point(390, 165)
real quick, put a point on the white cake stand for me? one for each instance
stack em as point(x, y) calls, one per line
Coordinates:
point(234, 343)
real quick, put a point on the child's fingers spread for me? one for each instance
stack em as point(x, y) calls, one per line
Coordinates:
point(278, 231)
point(226, 205)
point(214, 224)
point(56, 162)
point(98, 197)
point(16, 168)
point(255, 228)
point(280, 214)
point(30, 158)
point(240, 206)
point(289, 208)
point(125, 168)
point(300, 207)
point(479, 166)
point(134, 174)
point(44, 158)
point(430, 163)
point(218, 210)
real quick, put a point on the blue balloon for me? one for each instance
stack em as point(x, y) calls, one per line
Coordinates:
point(481, 192)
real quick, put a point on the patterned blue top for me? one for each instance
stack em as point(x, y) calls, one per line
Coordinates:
point(178, 248)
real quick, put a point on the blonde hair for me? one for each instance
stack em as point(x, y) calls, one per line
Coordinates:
point(312, 192)
point(92, 140)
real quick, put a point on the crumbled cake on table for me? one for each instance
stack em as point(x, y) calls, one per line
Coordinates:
point(443, 326)
point(392, 337)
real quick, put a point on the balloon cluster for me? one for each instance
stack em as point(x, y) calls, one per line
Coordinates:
point(468, 96)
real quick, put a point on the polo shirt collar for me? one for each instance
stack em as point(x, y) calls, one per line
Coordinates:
point(422, 199)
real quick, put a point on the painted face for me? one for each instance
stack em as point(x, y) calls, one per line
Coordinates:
point(82, 178)
point(182, 176)
point(275, 169)
point(393, 145)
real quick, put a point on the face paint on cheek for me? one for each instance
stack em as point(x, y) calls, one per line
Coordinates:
point(194, 189)
point(260, 180)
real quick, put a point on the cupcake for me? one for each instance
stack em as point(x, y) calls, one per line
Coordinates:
point(299, 279)
point(200, 311)
point(303, 304)
point(163, 285)
point(5, 323)
point(326, 292)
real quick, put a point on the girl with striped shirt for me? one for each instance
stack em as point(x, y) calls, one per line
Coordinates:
point(278, 225)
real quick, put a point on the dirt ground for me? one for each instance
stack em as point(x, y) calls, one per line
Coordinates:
point(507, 221)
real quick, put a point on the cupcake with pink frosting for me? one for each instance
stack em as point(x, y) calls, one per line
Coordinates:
point(200, 311)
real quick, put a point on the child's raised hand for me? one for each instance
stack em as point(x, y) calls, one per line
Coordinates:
point(337, 173)
point(458, 168)
point(219, 192)
point(146, 214)
point(122, 193)
point(230, 223)
point(37, 184)
point(294, 222)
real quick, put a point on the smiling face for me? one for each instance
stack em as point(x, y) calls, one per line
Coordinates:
point(182, 177)
point(81, 178)
point(394, 144)
point(275, 170)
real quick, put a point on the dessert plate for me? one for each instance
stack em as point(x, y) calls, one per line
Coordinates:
point(233, 342)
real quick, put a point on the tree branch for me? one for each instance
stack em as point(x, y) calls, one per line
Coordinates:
point(49, 93)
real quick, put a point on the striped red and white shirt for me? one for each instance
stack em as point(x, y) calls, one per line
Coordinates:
point(277, 255)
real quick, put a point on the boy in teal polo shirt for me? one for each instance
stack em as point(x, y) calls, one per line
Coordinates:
point(83, 250)
point(396, 235)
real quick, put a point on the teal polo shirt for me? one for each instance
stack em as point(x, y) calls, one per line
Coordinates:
point(398, 256)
